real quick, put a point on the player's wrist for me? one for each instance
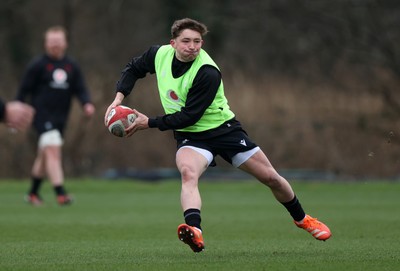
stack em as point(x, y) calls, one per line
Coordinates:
point(119, 97)
point(152, 123)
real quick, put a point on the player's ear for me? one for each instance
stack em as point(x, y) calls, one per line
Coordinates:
point(172, 42)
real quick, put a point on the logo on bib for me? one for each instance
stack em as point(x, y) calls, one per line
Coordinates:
point(172, 96)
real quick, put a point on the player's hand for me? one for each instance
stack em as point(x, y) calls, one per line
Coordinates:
point(108, 112)
point(18, 115)
point(117, 101)
point(89, 109)
point(141, 122)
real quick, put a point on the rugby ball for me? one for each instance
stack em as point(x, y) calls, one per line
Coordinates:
point(120, 118)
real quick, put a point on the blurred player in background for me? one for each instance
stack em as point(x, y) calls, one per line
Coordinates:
point(50, 82)
point(192, 95)
point(16, 115)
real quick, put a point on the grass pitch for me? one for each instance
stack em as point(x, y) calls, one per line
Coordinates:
point(126, 225)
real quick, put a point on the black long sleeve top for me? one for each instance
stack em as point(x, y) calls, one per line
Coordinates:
point(2, 110)
point(49, 85)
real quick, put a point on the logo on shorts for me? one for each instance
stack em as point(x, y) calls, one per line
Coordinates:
point(185, 141)
point(243, 142)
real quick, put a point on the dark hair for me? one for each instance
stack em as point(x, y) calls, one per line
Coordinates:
point(179, 25)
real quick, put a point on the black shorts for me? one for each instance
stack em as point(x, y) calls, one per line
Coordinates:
point(227, 145)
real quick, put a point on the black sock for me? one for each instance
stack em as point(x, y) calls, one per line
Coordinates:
point(192, 217)
point(35, 185)
point(60, 191)
point(295, 209)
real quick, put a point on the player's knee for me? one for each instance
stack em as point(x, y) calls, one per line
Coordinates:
point(188, 174)
point(272, 179)
point(52, 153)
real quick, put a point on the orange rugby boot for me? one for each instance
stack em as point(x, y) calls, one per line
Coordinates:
point(64, 200)
point(191, 236)
point(34, 199)
point(317, 229)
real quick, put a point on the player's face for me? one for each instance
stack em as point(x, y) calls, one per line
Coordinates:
point(55, 44)
point(187, 45)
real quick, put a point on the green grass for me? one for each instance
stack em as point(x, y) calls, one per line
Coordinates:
point(125, 225)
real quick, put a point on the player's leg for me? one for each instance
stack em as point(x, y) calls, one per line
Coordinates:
point(38, 169)
point(260, 167)
point(53, 164)
point(191, 163)
point(50, 144)
point(55, 172)
point(37, 173)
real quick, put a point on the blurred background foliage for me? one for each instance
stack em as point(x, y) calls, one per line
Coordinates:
point(315, 82)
